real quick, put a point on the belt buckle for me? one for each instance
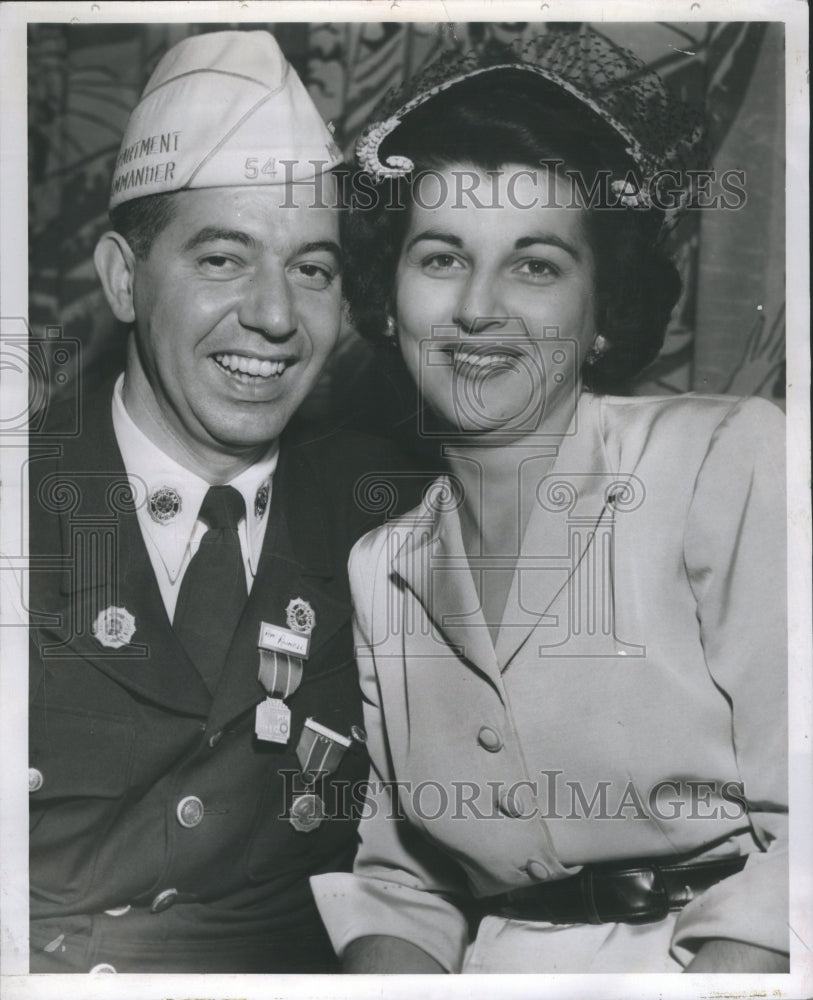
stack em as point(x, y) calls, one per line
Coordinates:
point(624, 896)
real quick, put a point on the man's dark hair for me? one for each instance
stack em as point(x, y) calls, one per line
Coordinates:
point(511, 117)
point(142, 220)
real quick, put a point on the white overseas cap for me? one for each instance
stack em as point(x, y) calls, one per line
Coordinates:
point(222, 109)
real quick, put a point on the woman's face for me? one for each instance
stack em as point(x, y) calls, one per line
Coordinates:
point(495, 305)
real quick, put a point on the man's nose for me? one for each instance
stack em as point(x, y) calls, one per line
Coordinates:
point(268, 306)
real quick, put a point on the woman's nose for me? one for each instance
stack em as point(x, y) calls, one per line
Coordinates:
point(268, 305)
point(478, 308)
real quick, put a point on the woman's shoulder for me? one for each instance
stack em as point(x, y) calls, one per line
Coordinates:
point(691, 419)
point(387, 539)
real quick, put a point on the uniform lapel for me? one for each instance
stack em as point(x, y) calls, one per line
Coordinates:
point(571, 503)
point(433, 564)
point(110, 568)
point(294, 564)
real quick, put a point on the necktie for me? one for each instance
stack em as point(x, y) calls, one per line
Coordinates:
point(213, 591)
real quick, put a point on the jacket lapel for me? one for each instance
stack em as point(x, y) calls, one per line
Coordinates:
point(110, 568)
point(432, 563)
point(547, 593)
point(294, 564)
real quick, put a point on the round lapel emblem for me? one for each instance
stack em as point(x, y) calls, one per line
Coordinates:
point(300, 616)
point(164, 504)
point(114, 627)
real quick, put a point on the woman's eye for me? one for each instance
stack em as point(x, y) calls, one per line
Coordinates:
point(537, 270)
point(314, 275)
point(441, 262)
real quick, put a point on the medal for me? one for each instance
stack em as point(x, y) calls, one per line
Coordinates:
point(307, 812)
point(272, 721)
point(164, 504)
point(320, 750)
point(282, 654)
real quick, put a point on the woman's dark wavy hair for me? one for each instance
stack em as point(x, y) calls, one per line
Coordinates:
point(508, 116)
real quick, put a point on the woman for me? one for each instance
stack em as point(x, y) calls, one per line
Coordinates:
point(573, 654)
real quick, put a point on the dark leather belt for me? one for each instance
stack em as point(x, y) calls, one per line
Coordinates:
point(637, 893)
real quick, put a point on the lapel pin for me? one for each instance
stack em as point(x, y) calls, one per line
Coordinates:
point(164, 504)
point(261, 501)
point(114, 627)
point(300, 616)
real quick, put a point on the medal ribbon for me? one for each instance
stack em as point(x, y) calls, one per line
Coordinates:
point(320, 750)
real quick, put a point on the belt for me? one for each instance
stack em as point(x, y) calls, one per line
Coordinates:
point(637, 893)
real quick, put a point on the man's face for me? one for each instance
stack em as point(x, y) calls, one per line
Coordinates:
point(237, 309)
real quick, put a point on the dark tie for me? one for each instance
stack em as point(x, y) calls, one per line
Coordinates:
point(213, 591)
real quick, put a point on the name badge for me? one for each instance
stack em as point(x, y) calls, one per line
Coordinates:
point(276, 639)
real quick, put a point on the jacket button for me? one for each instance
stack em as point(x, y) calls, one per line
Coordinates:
point(35, 779)
point(118, 911)
point(102, 967)
point(358, 734)
point(189, 811)
point(489, 739)
point(513, 803)
point(537, 870)
point(215, 738)
point(163, 900)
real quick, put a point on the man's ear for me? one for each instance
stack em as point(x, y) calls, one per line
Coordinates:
point(115, 265)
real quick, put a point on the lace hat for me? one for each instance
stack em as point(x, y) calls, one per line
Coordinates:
point(222, 109)
point(658, 132)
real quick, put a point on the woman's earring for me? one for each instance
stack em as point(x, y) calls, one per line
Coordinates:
point(600, 347)
point(390, 330)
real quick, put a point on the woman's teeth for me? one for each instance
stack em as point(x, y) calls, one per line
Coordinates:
point(239, 364)
point(462, 359)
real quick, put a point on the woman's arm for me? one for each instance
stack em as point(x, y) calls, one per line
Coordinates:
point(735, 557)
point(398, 895)
point(719, 955)
point(381, 953)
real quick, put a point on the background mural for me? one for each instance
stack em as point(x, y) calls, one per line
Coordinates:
point(727, 333)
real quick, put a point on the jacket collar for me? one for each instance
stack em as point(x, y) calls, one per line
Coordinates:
point(573, 494)
point(95, 502)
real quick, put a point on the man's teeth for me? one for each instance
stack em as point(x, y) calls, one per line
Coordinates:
point(250, 366)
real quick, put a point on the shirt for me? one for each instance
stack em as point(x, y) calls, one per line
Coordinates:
point(172, 543)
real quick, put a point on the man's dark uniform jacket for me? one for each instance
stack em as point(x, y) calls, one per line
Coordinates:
point(119, 737)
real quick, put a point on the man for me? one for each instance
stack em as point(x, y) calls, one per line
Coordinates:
point(195, 713)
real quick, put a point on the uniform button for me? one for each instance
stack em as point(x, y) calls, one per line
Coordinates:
point(35, 779)
point(102, 967)
point(358, 734)
point(118, 911)
point(163, 900)
point(489, 739)
point(215, 738)
point(537, 870)
point(189, 811)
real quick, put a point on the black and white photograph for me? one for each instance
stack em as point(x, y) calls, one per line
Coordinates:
point(405, 462)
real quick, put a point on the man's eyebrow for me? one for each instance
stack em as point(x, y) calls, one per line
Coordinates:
point(211, 234)
point(328, 246)
point(548, 239)
point(435, 234)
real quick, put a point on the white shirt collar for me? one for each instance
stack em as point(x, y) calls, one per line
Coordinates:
point(150, 469)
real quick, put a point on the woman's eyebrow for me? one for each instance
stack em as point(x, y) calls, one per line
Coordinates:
point(434, 234)
point(211, 234)
point(548, 239)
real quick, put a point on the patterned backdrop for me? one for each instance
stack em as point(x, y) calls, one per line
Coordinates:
point(727, 332)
